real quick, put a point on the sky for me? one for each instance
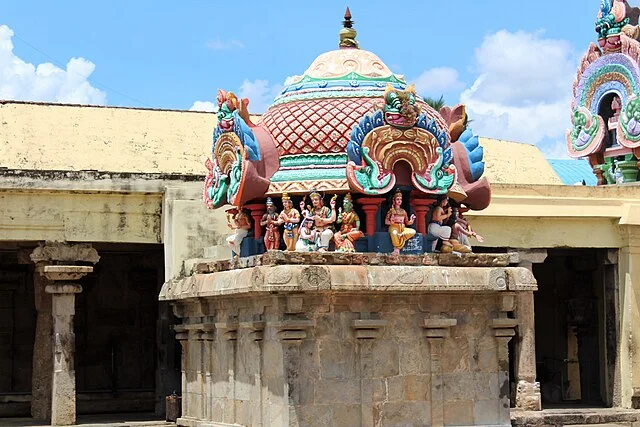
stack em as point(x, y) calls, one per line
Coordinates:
point(511, 62)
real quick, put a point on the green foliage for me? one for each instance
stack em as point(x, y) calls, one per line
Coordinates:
point(436, 104)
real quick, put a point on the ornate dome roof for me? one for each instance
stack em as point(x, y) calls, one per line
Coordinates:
point(316, 111)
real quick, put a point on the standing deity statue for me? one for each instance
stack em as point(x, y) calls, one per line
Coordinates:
point(290, 217)
point(323, 218)
point(239, 222)
point(349, 227)
point(271, 221)
point(437, 227)
point(398, 220)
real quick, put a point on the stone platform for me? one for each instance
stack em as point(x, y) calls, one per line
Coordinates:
point(577, 417)
point(327, 339)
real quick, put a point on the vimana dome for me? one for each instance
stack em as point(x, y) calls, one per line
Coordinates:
point(350, 129)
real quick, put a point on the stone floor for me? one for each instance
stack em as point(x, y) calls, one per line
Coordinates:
point(577, 417)
point(100, 420)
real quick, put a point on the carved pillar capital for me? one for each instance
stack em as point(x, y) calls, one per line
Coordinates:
point(293, 331)
point(368, 328)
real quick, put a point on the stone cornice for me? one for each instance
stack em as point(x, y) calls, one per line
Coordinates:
point(348, 279)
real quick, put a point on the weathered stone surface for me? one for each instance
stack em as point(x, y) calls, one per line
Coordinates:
point(341, 258)
point(349, 278)
point(54, 252)
point(345, 344)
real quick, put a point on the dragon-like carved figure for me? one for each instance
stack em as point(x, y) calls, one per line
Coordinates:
point(585, 137)
point(399, 133)
point(400, 109)
point(616, 17)
point(235, 149)
point(630, 123)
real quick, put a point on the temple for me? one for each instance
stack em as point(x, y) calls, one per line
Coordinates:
point(350, 264)
point(358, 308)
point(347, 125)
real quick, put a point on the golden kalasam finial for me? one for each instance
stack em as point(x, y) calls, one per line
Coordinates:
point(348, 34)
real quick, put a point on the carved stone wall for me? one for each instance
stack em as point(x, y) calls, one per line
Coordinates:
point(322, 352)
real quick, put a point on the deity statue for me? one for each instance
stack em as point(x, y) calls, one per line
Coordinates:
point(437, 227)
point(398, 220)
point(306, 235)
point(239, 222)
point(323, 218)
point(271, 221)
point(461, 232)
point(290, 217)
point(350, 227)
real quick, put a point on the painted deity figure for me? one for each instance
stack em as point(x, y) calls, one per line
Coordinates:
point(290, 217)
point(323, 218)
point(398, 220)
point(306, 235)
point(240, 223)
point(437, 227)
point(271, 221)
point(462, 232)
point(349, 227)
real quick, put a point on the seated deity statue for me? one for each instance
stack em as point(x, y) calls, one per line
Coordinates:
point(398, 220)
point(349, 227)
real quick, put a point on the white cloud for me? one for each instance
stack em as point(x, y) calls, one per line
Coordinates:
point(22, 81)
point(219, 44)
point(436, 81)
point(523, 92)
point(260, 94)
point(207, 106)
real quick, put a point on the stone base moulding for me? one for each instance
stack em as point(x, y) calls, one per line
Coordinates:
point(329, 345)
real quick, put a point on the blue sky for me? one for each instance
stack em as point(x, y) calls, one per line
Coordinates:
point(512, 62)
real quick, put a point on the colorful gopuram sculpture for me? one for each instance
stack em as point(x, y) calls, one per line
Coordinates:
point(398, 220)
point(349, 223)
point(606, 97)
point(290, 218)
point(239, 222)
point(271, 222)
point(350, 129)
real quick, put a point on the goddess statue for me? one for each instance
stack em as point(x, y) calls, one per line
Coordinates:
point(350, 227)
point(398, 220)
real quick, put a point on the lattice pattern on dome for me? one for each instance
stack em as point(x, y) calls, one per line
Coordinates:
point(318, 126)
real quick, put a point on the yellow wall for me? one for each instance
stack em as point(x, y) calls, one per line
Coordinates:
point(80, 217)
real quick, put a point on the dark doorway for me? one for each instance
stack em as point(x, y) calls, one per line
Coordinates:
point(17, 333)
point(572, 305)
point(115, 326)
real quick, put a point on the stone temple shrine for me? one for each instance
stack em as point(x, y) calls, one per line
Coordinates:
point(322, 318)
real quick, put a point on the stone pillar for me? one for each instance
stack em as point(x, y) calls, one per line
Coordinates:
point(366, 330)
point(63, 401)
point(527, 388)
point(55, 263)
point(42, 370)
point(504, 330)
point(370, 206)
point(257, 210)
point(436, 330)
point(627, 388)
point(182, 335)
